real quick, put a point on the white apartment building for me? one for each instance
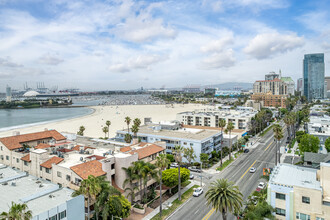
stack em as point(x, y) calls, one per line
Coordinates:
point(202, 140)
point(299, 192)
point(211, 118)
point(275, 87)
point(45, 199)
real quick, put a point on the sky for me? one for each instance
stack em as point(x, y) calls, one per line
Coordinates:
point(115, 44)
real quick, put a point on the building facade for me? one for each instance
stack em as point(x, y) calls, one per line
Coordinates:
point(270, 100)
point(327, 80)
point(274, 87)
point(290, 84)
point(313, 75)
point(272, 76)
point(300, 85)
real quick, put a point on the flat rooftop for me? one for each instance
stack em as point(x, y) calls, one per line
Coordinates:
point(291, 175)
point(223, 114)
point(24, 188)
point(184, 133)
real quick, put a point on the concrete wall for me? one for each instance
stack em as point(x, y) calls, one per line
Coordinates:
point(76, 208)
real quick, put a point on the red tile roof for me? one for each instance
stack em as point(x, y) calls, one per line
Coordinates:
point(147, 151)
point(14, 142)
point(93, 167)
point(274, 80)
point(97, 157)
point(42, 146)
point(26, 158)
point(64, 150)
point(77, 147)
point(48, 163)
point(125, 149)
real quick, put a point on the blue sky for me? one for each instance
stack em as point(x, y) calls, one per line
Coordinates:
point(116, 44)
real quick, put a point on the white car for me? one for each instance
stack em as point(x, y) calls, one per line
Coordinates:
point(198, 191)
point(261, 185)
point(253, 170)
point(175, 165)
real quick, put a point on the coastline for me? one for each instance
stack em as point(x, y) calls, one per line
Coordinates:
point(95, 121)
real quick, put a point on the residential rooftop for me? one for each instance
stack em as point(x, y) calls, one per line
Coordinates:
point(291, 175)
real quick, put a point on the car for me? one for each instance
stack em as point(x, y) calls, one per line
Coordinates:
point(198, 191)
point(261, 185)
point(191, 176)
point(253, 170)
point(194, 169)
point(246, 150)
point(174, 165)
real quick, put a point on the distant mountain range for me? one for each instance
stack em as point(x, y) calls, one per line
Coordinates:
point(231, 85)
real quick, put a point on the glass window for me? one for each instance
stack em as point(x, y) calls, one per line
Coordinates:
point(305, 200)
point(53, 217)
point(47, 170)
point(302, 216)
point(17, 160)
point(62, 215)
point(319, 218)
point(68, 178)
point(280, 211)
point(280, 196)
point(40, 168)
point(25, 163)
point(59, 174)
point(7, 157)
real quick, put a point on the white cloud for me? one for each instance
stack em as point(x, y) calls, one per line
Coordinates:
point(6, 62)
point(219, 60)
point(267, 45)
point(218, 45)
point(50, 59)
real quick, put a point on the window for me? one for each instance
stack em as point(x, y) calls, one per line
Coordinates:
point(53, 217)
point(68, 178)
point(302, 216)
point(40, 168)
point(185, 143)
point(319, 218)
point(47, 170)
point(1, 147)
point(113, 166)
point(280, 211)
point(62, 215)
point(17, 160)
point(59, 174)
point(7, 157)
point(306, 200)
point(280, 196)
point(191, 144)
point(25, 163)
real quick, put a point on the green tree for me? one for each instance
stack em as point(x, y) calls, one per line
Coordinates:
point(105, 131)
point(128, 121)
point(230, 127)
point(222, 124)
point(327, 144)
point(135, 130)
point(189, 154)
point(128, 138)
point(278, 135)
point(137, 122)
point(131, 176)
point(108, 123)
point(162, 163)
point(309, 143)
point(170, 177)
point(299, 134)
point(224, 197)
point(117, 206)
point(204, 158)
point(178, 151)
point(81, 131)
point(170, 157)
point(17, 212)
point(260, 211)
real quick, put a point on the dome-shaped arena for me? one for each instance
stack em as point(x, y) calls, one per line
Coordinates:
point(31, 94)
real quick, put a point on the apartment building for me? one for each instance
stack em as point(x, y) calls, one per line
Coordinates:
point(275, 87)
point(319, 126)
point(45, 199)
point(202, 140)
point(211, 118)
point(68, 163)
point(299, 192)
point(270, 100)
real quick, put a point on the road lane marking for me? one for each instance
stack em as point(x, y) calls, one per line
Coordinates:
point(207, 216)
point(248, 169)
point(268, 145)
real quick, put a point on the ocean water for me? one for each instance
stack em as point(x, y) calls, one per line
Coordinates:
point(17, 118)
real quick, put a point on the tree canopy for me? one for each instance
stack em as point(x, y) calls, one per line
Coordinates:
point(327, 144)
point(170, 176)
point(309, 143)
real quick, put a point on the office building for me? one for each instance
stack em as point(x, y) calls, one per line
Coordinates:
point(327, 80)
point(313, 74)
point(44, 199)
point(272, 76)
point(290, 85)
point(300, 192)
point(300, 85)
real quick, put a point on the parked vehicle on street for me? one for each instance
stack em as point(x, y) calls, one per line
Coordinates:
point(261, 185)
point(174, 165)
point(191, 176)
point(195, 169)
point(253, 170)
point(198, 191)
point(246, 150)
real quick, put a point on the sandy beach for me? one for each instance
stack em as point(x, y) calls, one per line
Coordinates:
point(95, 121)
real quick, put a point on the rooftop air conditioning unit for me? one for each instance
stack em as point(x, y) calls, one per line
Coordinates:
point(13, 183)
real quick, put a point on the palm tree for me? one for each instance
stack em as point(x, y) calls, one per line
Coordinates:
point(148, 171)
point(162, 163)
point(137, 122)
point(81, 131)
point(135, 130)
point(178, 151)
point(230, 127)
point(224, 197)
point(108, 123)
point(90, 188)
point(222, 124)
point(131, 176)
point(17, 212)
point(287, 121)
point(105, 131)
point(139, 167)
point(278, 134)
point(128, 121)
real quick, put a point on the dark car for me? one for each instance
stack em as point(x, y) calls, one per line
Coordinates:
point(246, 150)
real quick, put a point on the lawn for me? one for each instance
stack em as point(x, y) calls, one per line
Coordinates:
point(225, 164)
point(176, 204)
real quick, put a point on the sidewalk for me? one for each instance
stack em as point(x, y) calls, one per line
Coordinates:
point(292, 154)
point(170, 200)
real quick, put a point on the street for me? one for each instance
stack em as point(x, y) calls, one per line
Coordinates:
point(262, 156)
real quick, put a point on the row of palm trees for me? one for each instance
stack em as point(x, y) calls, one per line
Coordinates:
point(17, 211)
point(230, 127)
point(134, 129)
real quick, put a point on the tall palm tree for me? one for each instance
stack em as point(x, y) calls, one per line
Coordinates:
point(90, 188)
point(137, 122)
point(178, 151)
point(105, 131)
point(278, 135)
point(224, 197)
point(287, 121)
point(230, 127)
point(17, 212)
point(81, 131)
point(222, 124)
point(149, 171)
point(128, 121)
point(135, 130)
point(131, 176)
point(162, 163)
point(139, 167)
point(108, 123)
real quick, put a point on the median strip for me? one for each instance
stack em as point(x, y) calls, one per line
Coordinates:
point(268, 145)
point(208, 215)
point(248, 169)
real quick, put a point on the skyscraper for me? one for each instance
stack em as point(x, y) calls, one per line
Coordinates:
point(313, 76)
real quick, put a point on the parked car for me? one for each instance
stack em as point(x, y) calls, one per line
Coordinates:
point(246, 150)
point(174, 165)
point(191, 176)
point(261, 185)
point(253, 170)
point(195, 169)
point(198, 191)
